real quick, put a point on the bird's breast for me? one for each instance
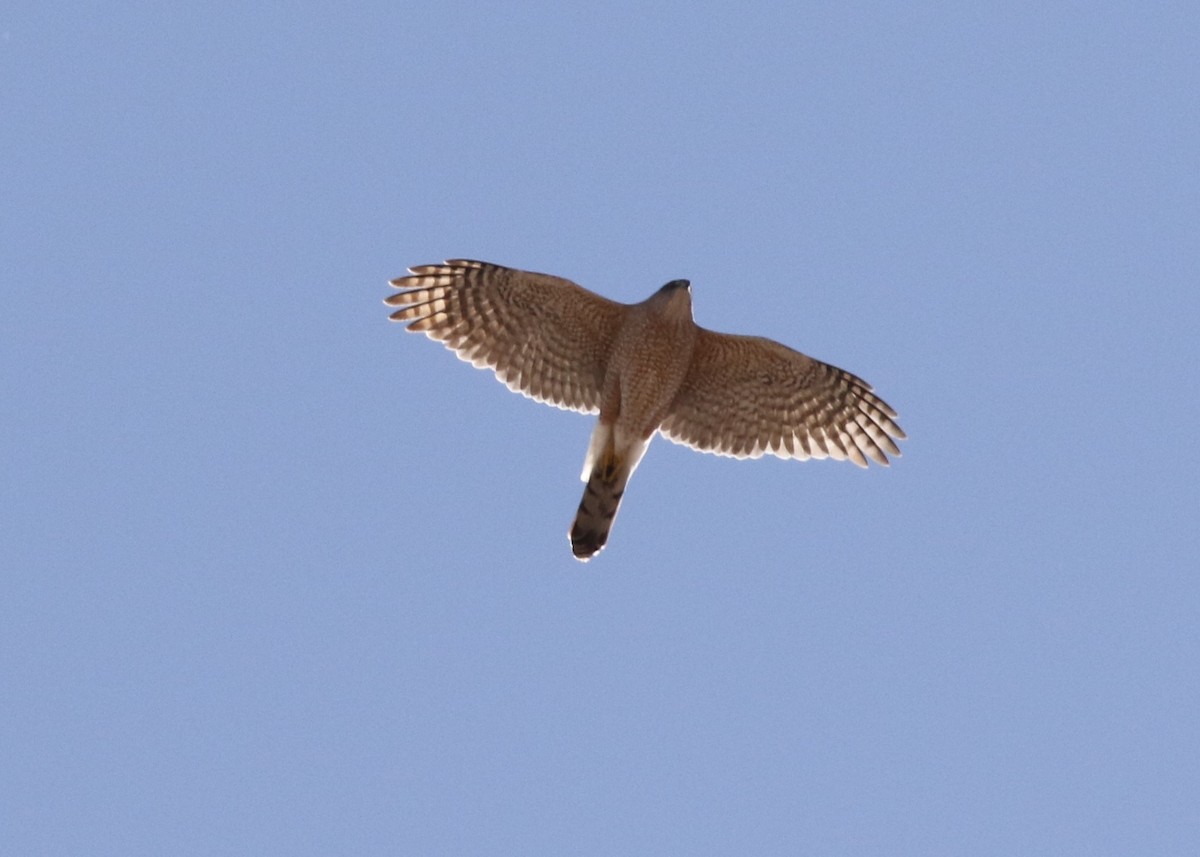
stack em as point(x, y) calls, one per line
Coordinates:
point(648, 365)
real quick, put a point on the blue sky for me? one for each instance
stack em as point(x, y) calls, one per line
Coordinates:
point(281, 578)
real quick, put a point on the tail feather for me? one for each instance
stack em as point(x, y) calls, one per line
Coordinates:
point(606, 471)
point(598, 508)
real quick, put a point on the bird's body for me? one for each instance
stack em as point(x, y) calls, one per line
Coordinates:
point(644, 368)
point(649, 361)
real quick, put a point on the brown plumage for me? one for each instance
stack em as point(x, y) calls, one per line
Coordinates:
point(644, 368)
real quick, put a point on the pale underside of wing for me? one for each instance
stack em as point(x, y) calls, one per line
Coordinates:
point(544, 337)
point(747, 396)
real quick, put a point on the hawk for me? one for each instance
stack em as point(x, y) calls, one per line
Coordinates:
point(644, 368)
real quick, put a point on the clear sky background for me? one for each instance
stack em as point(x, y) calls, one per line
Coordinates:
point(280, 578)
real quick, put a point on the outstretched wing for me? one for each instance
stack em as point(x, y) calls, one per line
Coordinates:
point(543, 336)
point(745, 396)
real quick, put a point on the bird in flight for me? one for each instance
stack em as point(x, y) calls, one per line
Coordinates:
point(644, 368)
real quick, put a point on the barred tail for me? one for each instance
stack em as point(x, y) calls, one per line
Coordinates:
point(606, 471)
point(597, 511)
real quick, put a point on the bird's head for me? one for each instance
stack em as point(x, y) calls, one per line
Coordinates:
point(675, 299)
